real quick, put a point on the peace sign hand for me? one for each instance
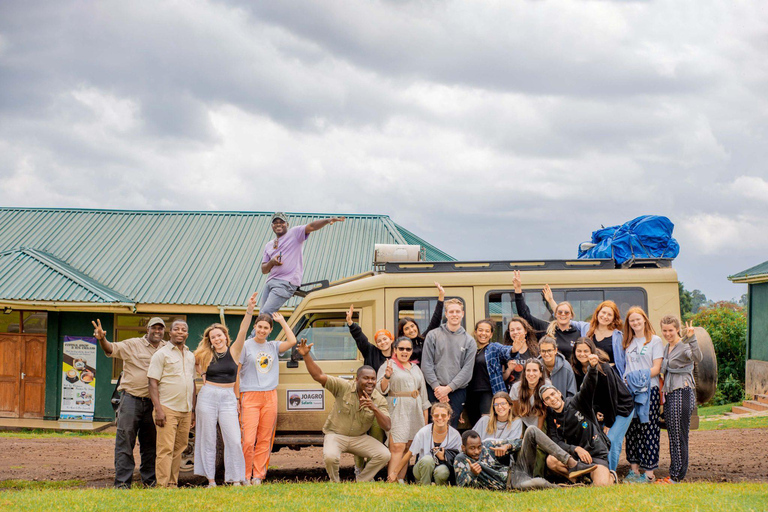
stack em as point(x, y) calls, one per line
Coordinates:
point(349, 314)
point(517, 281)
point(98, 332)
point(251, 304)
point(689, 331)
point(390, 369)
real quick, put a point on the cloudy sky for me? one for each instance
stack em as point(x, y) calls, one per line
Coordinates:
point(493, 129)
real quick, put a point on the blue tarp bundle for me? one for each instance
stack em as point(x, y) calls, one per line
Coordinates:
point(649, 236)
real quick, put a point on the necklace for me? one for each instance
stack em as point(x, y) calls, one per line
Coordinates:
point(220, 355)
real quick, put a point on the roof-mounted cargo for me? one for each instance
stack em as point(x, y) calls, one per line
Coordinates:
point(506, 266)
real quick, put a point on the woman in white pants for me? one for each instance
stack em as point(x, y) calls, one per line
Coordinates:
point(216, 360)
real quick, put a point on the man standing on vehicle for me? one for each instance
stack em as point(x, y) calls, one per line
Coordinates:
point(134, 416)
point(171, 378)
point(284, 260)
point(447, 360)
point(357, 404)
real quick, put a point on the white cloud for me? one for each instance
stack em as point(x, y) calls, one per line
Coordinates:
point(752, 187)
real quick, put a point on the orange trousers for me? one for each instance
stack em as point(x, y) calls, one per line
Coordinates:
point(258, 419)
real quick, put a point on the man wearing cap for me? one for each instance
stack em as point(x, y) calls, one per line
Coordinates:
point(134, 416)
point(171, 379)
point(284, 260)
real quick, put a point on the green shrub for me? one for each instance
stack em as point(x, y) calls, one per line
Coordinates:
point(726, 324)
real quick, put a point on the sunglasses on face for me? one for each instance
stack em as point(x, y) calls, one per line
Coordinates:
point(404, 349)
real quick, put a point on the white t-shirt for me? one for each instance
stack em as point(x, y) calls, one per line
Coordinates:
point(514, 394)
point(260, 370)
point(641, 356)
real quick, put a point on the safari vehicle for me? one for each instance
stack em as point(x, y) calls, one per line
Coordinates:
point(398, 289)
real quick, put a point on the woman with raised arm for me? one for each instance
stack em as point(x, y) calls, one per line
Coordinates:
point(259, 376)
point(679, 392)
point(373, 355)
point(408, 327)
point(525, 394)
point(405, 389)
point(560, 328)
point(644, 353)
point(604, 329)
point(522, 338)
point(613, 404)
point(216, 361)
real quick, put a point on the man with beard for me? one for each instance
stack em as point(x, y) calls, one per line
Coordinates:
point(171, 379)
point(356, 407)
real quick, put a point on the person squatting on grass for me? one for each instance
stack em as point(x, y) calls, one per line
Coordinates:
point(679, 392)
point(435, 446)
point(402, 383)
point(644, 353)
point(259, 377)
point(357, 404)
point(408, 327)
point(216, 358)
point(134, 415)
point(613, 404)
point(571, 423)
point(478, 465)
point(171, 379)
point(448, 358)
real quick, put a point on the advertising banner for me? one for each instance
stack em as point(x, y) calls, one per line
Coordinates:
point(78, 390)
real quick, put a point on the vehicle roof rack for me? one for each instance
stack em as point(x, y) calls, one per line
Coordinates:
point(506, 266)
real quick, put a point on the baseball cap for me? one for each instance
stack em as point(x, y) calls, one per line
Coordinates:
point(155, 320)
point(279, 215)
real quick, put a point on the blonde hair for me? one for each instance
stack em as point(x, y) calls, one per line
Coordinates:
point(453, 302)
point(670, 320)
point(553, 324)
point(629, 333)
point(491, 428)
point(204, 353)
point(442, 405)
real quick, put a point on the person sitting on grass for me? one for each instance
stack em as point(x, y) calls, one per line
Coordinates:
point(572, 424)
point(478, 465)
point(357, 405)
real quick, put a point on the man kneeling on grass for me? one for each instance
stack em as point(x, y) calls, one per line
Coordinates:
point(357, 405)
point(572, 424)
point(477, 465)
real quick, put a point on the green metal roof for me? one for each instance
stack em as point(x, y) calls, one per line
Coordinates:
point(758, 273)
point(171, 257)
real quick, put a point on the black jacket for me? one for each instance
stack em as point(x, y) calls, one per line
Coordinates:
point(372, 356)
point(564, 339)
point(576, 425)
point(612, 398)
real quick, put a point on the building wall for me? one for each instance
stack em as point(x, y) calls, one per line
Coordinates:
point(62, 324)
point(757, 340)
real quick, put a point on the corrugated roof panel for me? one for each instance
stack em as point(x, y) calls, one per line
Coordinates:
point(757, 270)
point(211, 258)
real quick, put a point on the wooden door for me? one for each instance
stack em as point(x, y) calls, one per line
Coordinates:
point(10, 375)
point(32, 392)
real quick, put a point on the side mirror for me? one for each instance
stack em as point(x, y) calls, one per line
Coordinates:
point(295, 358)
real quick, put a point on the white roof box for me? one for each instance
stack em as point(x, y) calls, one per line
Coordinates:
point(385, 253)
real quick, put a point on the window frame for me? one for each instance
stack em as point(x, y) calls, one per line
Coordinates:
point(421, 333)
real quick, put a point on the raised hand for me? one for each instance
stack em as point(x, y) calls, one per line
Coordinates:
point(517, 282)
point(593, 360)
point(349, 314)
point(303, 348)
point(251, 304)
point(390, 369)
point(689, 332)
point(277, 317)
point(440, 291)
point(547, 291)
point(338, 219)
point(98, 332)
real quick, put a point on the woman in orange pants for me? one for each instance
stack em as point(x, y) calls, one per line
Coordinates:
point(259, 375)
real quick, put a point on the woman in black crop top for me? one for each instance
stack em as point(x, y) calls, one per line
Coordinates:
point(216, 360)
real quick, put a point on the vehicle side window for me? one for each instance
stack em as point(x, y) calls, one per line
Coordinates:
point(500, 304)
point(330, 335)
point(420, 309)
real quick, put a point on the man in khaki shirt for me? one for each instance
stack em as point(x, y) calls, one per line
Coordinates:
point(134, 416)
point(171, 379)
point(357, 405)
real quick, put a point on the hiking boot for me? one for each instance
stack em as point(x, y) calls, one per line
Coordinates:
point(580, 469)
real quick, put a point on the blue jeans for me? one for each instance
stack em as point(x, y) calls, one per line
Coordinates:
point(616, 435)
point(455, 399)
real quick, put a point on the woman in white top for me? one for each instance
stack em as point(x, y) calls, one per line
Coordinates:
point(259, 376)
point(402, 383)
point(500, 425)
point(435, 447)
point(644, 352)
point(525, 394)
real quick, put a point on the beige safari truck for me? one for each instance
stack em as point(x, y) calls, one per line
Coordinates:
point(397, 289)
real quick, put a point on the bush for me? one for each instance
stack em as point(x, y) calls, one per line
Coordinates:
point(726, 324)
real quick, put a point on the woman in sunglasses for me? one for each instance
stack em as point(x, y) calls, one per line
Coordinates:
point(403, 384)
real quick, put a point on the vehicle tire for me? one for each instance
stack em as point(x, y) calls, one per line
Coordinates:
point(705, 372)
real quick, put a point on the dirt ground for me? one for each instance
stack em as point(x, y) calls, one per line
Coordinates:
point(719, 456)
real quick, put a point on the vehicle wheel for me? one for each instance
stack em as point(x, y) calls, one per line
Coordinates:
point(705, 372)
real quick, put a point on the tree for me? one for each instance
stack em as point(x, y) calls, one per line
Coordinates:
point(686, 301)
point(698, 299)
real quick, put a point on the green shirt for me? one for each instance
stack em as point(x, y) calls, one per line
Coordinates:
point(347, 418)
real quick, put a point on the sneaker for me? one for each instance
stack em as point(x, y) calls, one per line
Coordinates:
point(256, 481)
point(246, 482)
point(632, 477)
point(580, 469)
point(235, 484)
point(211, 484)
point(614, 476)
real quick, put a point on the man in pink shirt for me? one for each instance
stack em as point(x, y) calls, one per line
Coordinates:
point(284, 260)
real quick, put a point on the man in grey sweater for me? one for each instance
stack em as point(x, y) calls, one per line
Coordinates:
point(447, 360)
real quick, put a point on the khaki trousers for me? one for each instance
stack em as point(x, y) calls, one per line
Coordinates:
point(172, 440)
point(364, 446)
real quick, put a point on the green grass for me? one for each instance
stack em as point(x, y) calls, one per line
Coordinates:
point(723, 424)
point(382, 497)
point(36, 484)
point(715, 410)
point(48, 434)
